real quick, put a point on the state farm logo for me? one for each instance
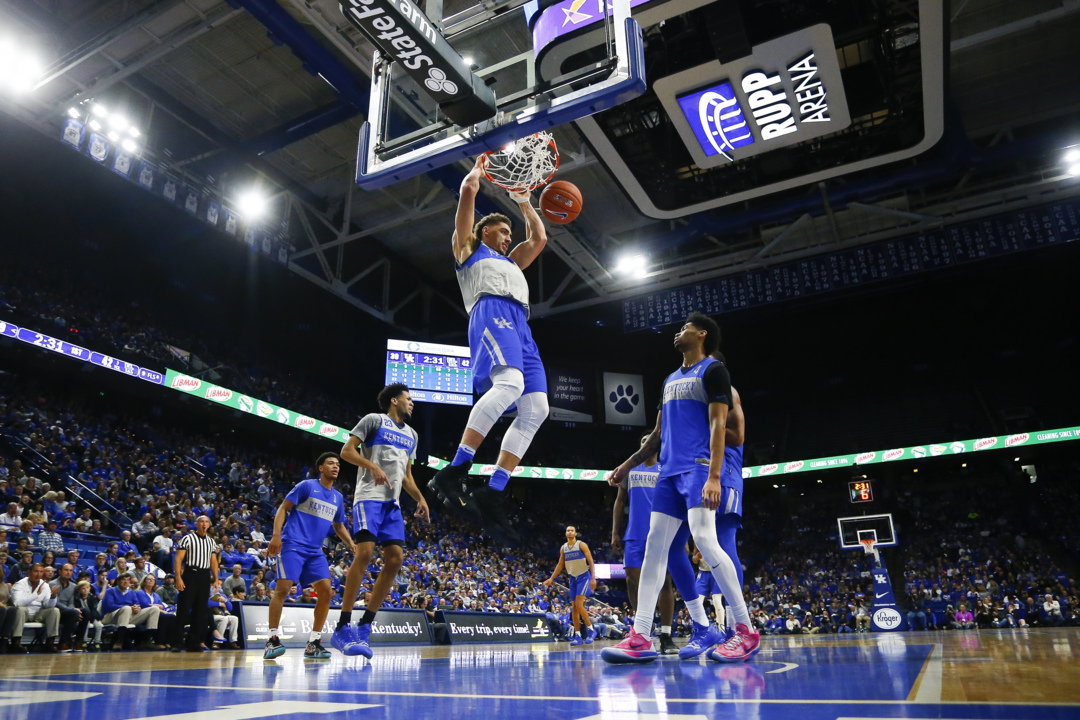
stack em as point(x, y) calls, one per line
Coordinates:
point(219, 394)
point(589, 474)
point(747, 472)
point(283, 416)
point(936, 450)
point(793, 466)
point(1017, 439)
point(893, 454)
point(487, 469)
point(305, 423)
point(263, 409)
point(246, 403)
point(769, 469)
point(185, 383)
point(551, 472)
point(865, 457)
point(328, 430)
point(985, 443)
point(519, 470)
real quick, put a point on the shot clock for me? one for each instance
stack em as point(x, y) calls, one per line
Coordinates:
point(860, 491)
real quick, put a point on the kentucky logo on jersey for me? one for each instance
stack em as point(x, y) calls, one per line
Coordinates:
point(504, 324)
point(318, 508)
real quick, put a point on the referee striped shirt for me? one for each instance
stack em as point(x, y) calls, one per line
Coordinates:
point(199, 550)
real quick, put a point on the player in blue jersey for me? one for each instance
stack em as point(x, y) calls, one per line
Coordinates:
point(576, 558)
point(383, 446)
point(637, 491)
point(506, 365)
point(301, 524)
point(690, 433)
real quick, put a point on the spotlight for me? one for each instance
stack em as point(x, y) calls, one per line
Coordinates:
point(73, 113)
point(118, 122)
point(129, 145)
point(632, 265)
point(95, 125)
point(468, 60)
point(1072, 155)
point(1074, 169)
point(509, 147)
point(99, 110)
point(251, 204)
point(19, 69)
point(776, 486)
point(963, 465)
point(134, 131)
point(113, 136)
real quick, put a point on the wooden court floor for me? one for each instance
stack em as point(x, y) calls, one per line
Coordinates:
point(1007, 674)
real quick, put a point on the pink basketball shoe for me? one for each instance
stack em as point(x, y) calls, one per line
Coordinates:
point(743, 645)
point(636, 648)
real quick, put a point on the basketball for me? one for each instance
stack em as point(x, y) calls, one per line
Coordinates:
point(560, 203)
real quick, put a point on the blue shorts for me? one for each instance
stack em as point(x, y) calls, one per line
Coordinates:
point(633, 553)
point(581, 585)
point(730, 501)
point(706, 584)
point(499, 335)
point(675, 494)
point(303, 565)
point(379, 521)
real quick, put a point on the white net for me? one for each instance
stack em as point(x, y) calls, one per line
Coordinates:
point(524, 165)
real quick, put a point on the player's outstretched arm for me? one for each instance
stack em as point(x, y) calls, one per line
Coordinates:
point(558, 568)
point(464, 244)
point(274, 548)
point(592, 568)
point(408, 484)
point(649, 447)
point(616, 518)
point(535, 233)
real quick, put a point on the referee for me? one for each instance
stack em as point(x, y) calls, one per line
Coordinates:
point(197, 554)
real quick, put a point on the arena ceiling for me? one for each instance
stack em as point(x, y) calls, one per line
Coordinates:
point(272, 93)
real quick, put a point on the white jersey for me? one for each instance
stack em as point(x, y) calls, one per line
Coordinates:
point(487, 273)
point(574, 559)
point(390, 446)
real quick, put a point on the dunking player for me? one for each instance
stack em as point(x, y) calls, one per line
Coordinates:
point(637, 488)
point(576, 558)
point(300, 526)
point(384, 448)
point(506, 364)
point(690, 432)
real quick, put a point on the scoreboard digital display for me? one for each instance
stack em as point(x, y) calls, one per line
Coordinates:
point(860, 491)
point(435, 373)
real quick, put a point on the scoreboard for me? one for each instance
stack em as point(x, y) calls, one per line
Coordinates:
point(435, 373)
point(860, 491)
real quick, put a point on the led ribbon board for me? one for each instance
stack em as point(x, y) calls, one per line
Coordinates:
point(275, 413)
point(404, 34)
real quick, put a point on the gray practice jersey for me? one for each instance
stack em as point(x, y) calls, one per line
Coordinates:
point(390, 446)
point(487, 273)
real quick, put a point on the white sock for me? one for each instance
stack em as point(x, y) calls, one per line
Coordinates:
point(274, 632)
point(703, 528)
point(696, 608)
point(718, 607)
point(314, 636)
point(662, 529)
point(665, 629)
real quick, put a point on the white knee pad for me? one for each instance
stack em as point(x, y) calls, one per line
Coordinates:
point(532, 410)
point(507, 384)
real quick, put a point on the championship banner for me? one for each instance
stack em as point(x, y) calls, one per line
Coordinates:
point(480, 627)
point(622, 399)
point(570, 395)
point(391, 626)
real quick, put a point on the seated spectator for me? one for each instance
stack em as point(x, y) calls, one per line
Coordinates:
point(225, 625)
point(916, 617)
point(792, 626)
point(22, 568)
point(121, 608)
point(73, 560)
point(63, 590)
point(862, 618)
point(12, 519)
point(168, 591)
point(964, 619)
point(119, 569)
point(235, 587)
point(142, 532)
point(139, 571)
point(34, 602)
point(88, 605)
point(258, 593)
point(147, 597)
point(49, 539)
point(1052, 608)
point(125, 545)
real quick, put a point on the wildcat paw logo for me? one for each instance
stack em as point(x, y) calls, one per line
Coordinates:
point(624, 399)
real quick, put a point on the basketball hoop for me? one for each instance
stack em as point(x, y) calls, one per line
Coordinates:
point(523, 165)
point(869, 547)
